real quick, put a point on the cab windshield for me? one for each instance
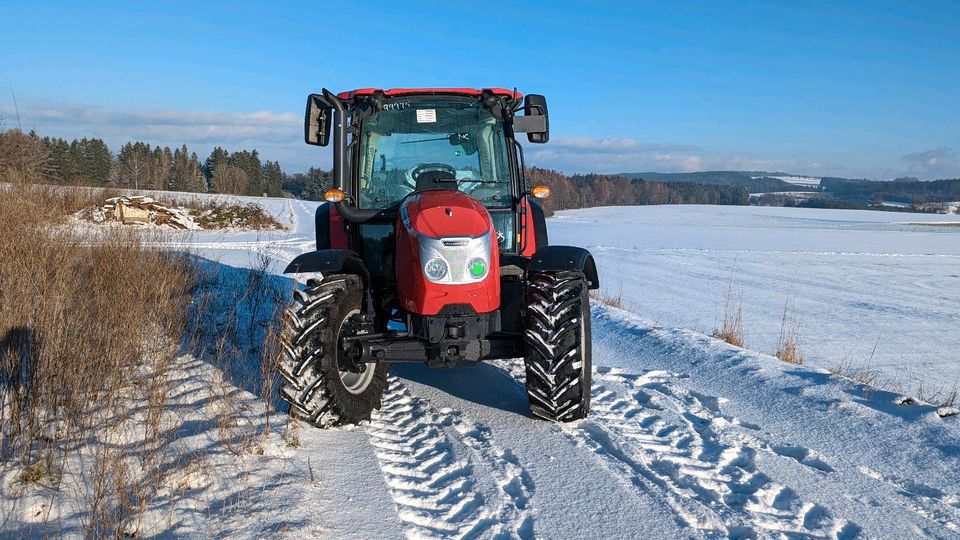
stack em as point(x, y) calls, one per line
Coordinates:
point(420, 143)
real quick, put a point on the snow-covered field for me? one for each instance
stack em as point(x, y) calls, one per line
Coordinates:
point(689, 437)
point(870, 289)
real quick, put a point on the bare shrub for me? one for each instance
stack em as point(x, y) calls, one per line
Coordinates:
point(23, 157)
point(943, 396)
point(788, 347)
point(217, 214)
point(731, 328)
point(234, 325)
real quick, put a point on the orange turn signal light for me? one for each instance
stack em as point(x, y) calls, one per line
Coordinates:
point(540, 192)
point(334, 195)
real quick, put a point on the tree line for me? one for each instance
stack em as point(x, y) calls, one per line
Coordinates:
point(905, 190)
point(140, 165)
point(588, 190)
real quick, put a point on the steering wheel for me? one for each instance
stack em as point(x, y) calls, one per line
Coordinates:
point(429, 175)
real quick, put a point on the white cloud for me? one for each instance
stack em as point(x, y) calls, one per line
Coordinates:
point(278, 136)
point(943, 162)
point(617, 154)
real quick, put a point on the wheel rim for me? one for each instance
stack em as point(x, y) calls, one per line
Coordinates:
point(355, 383)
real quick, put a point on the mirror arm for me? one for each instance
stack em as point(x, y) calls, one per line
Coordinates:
point(339, 137)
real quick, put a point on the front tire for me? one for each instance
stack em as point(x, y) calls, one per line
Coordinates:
point(312, 381)
point(557, 334)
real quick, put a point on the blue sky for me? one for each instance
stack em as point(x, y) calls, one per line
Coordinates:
point(822, 88)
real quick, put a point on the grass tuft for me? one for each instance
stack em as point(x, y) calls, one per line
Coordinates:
point(731, 327)
point(788, 347)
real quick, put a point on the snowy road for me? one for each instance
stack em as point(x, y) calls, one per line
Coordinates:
point(688, 438)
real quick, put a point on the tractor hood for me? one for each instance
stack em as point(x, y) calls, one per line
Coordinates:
point(446, 254)
point(445, 213)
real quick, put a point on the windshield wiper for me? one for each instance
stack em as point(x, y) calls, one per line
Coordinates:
point(426, 140)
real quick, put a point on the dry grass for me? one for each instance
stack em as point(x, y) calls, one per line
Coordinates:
point(731, 327)
point(788, 347)
point(91, 328)
point(943, 396)
point(85, 329)
point(608, 299)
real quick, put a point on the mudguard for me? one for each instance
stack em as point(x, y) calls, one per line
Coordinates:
point(565, 258)
point(329, 261)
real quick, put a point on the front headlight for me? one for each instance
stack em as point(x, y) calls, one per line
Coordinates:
point(435, 269)
point(455, 260)
point(477, 268)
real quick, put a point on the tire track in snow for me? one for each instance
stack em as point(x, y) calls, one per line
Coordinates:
point(438, 493)
point(649, 431)
point(669, 435)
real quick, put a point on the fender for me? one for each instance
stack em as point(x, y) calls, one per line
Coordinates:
point(329, 225)
point(533, 227)
point(565, 258)
point(329, 261)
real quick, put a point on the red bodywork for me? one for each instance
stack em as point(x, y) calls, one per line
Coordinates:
point(440, 214)
point(528, 236)
point(408, 91)
point(338, 230)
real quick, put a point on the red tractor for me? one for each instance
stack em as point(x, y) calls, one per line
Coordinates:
point(431, 248)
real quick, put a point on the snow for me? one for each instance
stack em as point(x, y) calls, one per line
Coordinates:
point(688, 438)
point(870, 289)
point(799, 180)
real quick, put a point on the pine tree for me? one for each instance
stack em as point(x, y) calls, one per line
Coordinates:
point(93, 159)
point(217, 156)
point(272, 178)
point(63, 167)
point(315, 183)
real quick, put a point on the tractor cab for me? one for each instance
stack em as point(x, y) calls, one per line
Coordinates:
point(397, 142)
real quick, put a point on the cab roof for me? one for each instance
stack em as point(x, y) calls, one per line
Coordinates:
point(472, 92)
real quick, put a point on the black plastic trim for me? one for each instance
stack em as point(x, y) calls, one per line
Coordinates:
point(329, 261)
point(566, 258)
point(321, 222)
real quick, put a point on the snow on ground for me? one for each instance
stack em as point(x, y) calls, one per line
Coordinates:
point(800, 180)
point(689, 437)
point(870, 289)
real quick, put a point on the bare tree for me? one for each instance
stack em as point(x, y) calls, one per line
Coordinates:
point(230, 179)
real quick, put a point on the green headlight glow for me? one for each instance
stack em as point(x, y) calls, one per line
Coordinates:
point(478, 267)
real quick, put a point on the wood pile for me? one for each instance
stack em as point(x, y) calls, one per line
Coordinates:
point(142, 210)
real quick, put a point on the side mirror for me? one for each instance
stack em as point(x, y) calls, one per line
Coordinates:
point(317, 120)
point(535, 121)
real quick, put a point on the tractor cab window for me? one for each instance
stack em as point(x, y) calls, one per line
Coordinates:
point(421, 143)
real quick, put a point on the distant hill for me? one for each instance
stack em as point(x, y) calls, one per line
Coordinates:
point(753, 181)
point(905, 190)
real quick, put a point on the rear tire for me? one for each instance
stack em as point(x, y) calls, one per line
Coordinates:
point(318, 391)
point(558, 361)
